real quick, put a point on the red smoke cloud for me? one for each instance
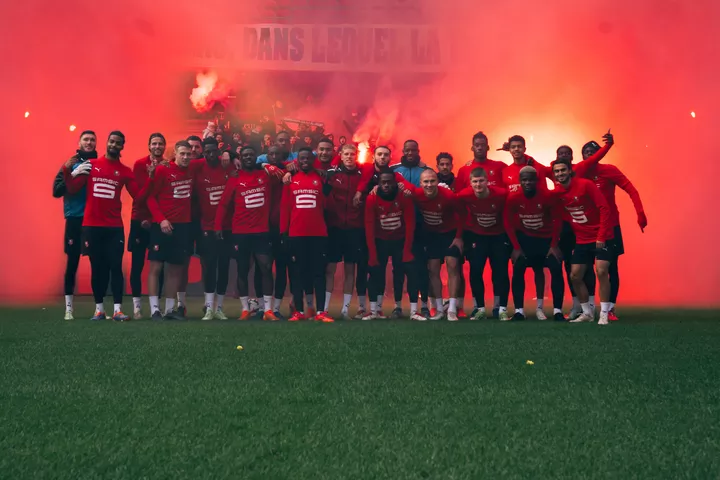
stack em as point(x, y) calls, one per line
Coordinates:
point(557, 73)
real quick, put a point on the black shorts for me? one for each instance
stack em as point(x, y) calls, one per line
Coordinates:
point(437, 245)
point(209, 244)
point(481, 247)
point(174, 249)
point(139, 237)
point(103, 241)
point(586, 253)
point(346, 245)
point(73, 235)
point(254, 243)
point(535, 248)
point(390, 249)
point(567, 240)
point(618, 243)
point(195, 232)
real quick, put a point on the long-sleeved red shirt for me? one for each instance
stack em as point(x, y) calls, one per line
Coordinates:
point(493, 170)
point(440, 213)
point(302, 209)
point(586, 210)
point(209, 184)
point(140, 212)
point(538, 216)
point(341, 211)
point(248, 197)
point(103, 207)
point(484, 216)
point(389, 220)
point(170, 195)
point(606, 178)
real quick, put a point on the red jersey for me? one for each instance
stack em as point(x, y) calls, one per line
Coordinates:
point(171, 192)
point(440, 213)
point(140, 211)
point(342, 185)
point(484, 215)
point(302, 209)
point(606, 178)
point(249, 194)
point(493, 170)
point(539, 216)
point(586, 210)
point(511, 174)
point(389, 220)
point(103, 207)
point(209, 184)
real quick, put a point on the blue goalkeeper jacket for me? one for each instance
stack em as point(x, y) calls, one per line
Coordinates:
point(73, 205)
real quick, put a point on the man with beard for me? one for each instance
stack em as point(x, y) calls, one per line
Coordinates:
point(370, 173)
point(302, 219)
point(389, 233)
point(196, 147)
point(74, 209)
point(607, 177)
point(282, 141)
point(103, 232)
point(141, 218)
point(346, 233)
point(588, 213)
point(249, 195)
point(532, 222)
point(445, 170)
point(211, 177)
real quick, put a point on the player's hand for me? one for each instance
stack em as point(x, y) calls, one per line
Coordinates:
point(468, 164)
point(224, 163)
point(516, 254)
point(151, 169)
point(505, 147)
point(555, 252)
point(407, 192)
point(599, 245)
point(374, 190)
point(608, 138)
point(458, 242)
point(408, 257)
point(287, 178)
point(238, 163)
point(444, 185)
point(219, 234)
point(82, 169)
point(71, 161)
point(145, 224)
point(642, 221)
point(291, 167)
point(357, 199)
point(373, 261)
point(166, 227)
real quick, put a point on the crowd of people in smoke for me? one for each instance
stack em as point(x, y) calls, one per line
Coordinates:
point(299, 212)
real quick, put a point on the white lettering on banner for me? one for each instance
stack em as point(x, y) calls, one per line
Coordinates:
point(419, 48)
point(182, 191)
point(432, 218)
point(255, 200)
point(577, 214)
point(215, 198)
point(532, 222)
point(306, 201)
point(486, 220)
point(104, 190)
point(390, 223)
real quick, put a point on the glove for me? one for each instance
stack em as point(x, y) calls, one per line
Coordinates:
point(83, 169)
point(642, 220)
point(444, 185)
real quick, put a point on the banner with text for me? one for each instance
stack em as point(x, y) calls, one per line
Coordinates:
point(327, 48)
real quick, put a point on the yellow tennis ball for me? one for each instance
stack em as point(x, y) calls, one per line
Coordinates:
point(529, 362)
point(239, 347)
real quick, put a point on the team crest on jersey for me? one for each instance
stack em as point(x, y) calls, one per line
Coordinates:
point(137, 240)
point(493, 206)
point(439, 206)
point(539, 206)
point(396, 204)
point(237, 248)
point(70, 241)
point(205, 234)
point(117, 173)
point(491, 172)
point(156, 247)
point(87, 244)
point(260, 181)
point(315, 182)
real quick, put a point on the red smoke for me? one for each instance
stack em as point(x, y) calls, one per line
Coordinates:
point(557, 73)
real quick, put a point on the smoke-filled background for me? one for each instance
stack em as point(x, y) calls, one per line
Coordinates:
point(559, 72)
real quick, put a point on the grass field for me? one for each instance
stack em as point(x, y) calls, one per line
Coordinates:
point(384, 399)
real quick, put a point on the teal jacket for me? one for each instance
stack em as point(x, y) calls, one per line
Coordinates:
point(73, 205)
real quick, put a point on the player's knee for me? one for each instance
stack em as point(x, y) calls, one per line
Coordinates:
point(602, 269)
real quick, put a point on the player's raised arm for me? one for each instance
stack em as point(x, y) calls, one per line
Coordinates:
point(623, 182)
point(592, 154)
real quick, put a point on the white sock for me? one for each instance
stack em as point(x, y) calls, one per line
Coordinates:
point(181, 298)
point(261, 303)
point(379, 301)
point(556, 310)
point(452, 307)
point(244, 302)
point(374, 307)
point(439, 305)
point(154, 304)
point(327, 301)
point(169, 304)
point(576, 304)
point(347, 298)
point(99, 307)
point(521, 311)
point(267, 300)
point(496, 303)
point(612, 305)
point(209, 300)
point(540, 303)
point(219, 299)
point(362, 301)
point(502, 309)
point(117, 308)
point(413, 308)
point(605, 307)
point(68, 303)
point(592, 300)
point(586, 309)
point(276, 304)
point(310, 301)
point(137, 303)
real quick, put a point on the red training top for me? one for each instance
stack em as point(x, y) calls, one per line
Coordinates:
point(538, 216)
point(389, 220)
point(302, 209)
point(248, 196)
point(586, 210)
point(210, 182)
point(606, 178)
point(483, 215)
point(440, 213)
point(171, 192)
point(493, 170)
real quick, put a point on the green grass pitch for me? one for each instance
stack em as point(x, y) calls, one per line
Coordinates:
point(359, 400)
